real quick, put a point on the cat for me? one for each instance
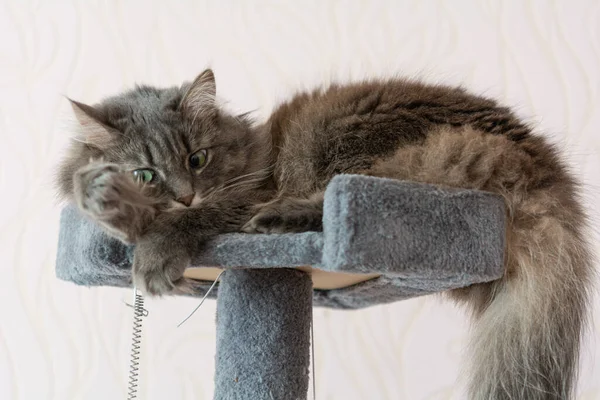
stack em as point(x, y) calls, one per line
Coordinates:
point(167, 169)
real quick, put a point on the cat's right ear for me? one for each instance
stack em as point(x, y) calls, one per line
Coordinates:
point(91, 131)
point(200, 96)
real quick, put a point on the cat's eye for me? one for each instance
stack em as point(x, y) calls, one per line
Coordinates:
point(144, 175)
point(198, 159)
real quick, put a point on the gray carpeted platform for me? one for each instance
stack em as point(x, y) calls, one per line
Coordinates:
point(422, 239)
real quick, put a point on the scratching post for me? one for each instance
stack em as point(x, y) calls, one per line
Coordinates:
point(383, 241)
point(263, 335)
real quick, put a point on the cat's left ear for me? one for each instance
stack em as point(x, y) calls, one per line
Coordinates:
point(200, 97)
point(91, 130)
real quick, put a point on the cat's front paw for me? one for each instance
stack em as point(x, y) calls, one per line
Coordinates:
point(97, 189)
point(291, 216)
point(111, 197)
point(158, 267)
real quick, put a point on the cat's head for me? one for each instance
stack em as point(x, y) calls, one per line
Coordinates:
point(176, 142)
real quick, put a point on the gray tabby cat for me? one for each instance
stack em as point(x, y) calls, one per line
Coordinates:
point(167, 169)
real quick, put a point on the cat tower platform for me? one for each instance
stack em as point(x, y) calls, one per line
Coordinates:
point(383, 241)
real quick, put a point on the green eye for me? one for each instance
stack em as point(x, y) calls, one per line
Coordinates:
point(198, 159)
point(144, 175)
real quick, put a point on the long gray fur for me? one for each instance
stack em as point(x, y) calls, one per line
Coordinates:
point(422, 239)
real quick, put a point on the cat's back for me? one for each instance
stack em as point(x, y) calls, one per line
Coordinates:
point(345, 128)
point(380, 101)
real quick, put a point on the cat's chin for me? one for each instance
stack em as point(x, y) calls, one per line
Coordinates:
point(175, 205)
point(196, 201)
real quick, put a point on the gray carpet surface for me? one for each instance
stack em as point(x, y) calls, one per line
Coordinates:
point(422, 239)
point(263, 335)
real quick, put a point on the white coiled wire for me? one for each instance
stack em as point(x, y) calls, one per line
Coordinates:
point(138, 313)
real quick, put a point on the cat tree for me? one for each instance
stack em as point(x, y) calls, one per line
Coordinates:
point(382, 241)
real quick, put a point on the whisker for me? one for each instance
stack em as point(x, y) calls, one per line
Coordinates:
point(265, 171)
point(248, 184)
point(246, 181)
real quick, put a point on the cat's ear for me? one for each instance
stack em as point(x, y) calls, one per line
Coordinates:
point(200, 97)
point(91, 131)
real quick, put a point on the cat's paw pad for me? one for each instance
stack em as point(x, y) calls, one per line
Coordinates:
point(274, 220)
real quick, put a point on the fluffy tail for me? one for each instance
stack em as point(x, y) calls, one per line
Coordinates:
point(528, 327)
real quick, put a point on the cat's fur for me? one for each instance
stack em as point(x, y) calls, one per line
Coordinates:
point(271, 177)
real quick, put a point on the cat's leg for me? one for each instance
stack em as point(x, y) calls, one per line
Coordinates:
point(160, 260)
point(171, 241)
point(111, 197)
point(288, 214)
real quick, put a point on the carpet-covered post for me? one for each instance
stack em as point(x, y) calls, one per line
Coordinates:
point(263, 335)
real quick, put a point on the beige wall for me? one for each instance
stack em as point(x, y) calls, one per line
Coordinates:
point(60, 341)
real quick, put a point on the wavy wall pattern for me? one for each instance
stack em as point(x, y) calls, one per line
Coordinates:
point(59, 341)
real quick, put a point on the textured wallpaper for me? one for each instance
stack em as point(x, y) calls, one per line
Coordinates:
point(60, 341)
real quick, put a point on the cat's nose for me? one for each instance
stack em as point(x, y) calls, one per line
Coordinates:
point(186, 200)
